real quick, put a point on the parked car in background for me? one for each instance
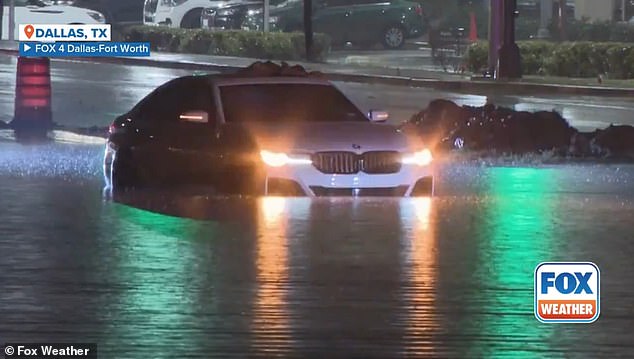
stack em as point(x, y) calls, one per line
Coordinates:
point(115, 11)
point(40, 12)
point(232, 15)
point(361, 22)
point(185, 14)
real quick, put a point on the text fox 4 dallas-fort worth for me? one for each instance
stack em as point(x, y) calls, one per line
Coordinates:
point(51, 40)
point(567, 292)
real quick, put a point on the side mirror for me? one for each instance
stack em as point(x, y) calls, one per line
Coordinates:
point(378, 116)
point(194, 116)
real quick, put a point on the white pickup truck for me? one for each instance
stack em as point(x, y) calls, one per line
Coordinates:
point(42, 12)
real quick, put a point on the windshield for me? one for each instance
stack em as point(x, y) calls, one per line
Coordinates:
point(287, 102)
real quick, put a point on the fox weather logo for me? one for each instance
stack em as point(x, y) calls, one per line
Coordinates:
point(567, 292)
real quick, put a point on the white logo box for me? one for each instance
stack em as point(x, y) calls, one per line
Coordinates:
point(71, 33)
point(553, 304)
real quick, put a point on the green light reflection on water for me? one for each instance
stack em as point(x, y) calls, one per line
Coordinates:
point(519, 233)
point(155, 269)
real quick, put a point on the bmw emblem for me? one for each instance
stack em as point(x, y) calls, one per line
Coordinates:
point(356, 147)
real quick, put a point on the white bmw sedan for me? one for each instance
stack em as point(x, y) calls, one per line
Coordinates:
point(269, 135)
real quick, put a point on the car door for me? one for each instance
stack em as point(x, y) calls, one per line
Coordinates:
point(331, 17)
point(178, 127)
point(367, 21)
point(125, 11)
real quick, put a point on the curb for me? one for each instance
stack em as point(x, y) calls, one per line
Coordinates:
point(473, 86)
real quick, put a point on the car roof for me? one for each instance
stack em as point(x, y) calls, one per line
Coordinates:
point(229, 81)
point(269, 73)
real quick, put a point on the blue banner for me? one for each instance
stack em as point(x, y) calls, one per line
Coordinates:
point(85, 49)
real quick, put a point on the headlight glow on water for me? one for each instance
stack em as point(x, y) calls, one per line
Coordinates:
point(420, 158)
point(279, 159)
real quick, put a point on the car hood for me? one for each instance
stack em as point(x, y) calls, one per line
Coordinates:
point(312, 137)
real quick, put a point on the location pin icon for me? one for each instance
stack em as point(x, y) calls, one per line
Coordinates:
point(28, 30)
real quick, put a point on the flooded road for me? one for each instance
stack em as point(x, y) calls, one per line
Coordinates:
point(449, 276)
point(191, 276)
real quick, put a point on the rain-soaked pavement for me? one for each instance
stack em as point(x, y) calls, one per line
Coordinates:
point(449, 276)
point(87, 94)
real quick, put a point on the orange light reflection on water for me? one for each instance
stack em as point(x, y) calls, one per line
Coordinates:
point(270, 326)
point(421, 272)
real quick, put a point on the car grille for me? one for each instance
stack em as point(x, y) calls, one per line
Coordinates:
point(359, 192)
point(376, 162)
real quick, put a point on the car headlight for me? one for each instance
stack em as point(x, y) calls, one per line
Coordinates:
point(421, 158)
point(279, 159)
point(97, 16)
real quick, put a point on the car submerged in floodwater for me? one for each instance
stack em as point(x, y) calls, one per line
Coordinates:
point(262, 135)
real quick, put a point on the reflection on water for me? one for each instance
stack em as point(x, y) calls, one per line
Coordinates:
point(519, 236)
point(449, 276)
point(420, 252)
point(155, 274)
point(270, 327)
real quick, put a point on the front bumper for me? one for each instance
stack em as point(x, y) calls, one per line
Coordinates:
point(306, 180)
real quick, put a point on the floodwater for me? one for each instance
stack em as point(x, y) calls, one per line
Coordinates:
point(449, 276)
point(184, 275)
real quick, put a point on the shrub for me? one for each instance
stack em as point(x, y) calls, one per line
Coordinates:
point(583, 30)
point(622, 33)
point(261, 45)
point(569, 59)
point(477, 57)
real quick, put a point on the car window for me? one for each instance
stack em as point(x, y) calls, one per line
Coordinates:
point(171, 100)
point(287, 102)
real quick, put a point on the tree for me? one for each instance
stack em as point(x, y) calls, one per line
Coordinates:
point(308, 28)
point(561, 18)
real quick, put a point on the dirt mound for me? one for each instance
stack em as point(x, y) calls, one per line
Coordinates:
point(446, 126)
point(268, 69)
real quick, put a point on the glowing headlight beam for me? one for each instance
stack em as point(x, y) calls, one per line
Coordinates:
point(420, 158)
point(279, 159)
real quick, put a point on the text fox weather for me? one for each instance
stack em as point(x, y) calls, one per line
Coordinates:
point(567, 292)
point(50, 40)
